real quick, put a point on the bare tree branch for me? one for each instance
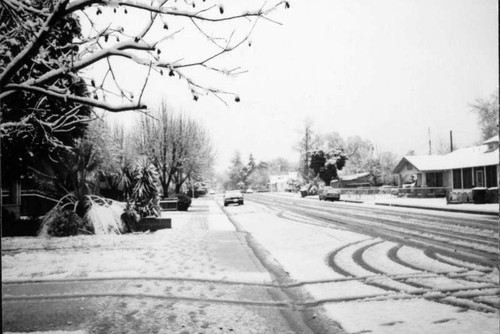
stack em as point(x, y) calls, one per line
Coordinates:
point(81, 4)
point(145, 83)
point(135, 48)
point(74, 98)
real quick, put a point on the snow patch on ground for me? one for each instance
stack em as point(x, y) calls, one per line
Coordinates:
point(410, 316)
point(344, 258)
point(172, 253)
point(461, 263)
point(50, 332)
point(416, 257)
point(302, 249)
point(377, 257)
point(339, 290)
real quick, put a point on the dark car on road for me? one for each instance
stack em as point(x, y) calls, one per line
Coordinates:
point(234, 196)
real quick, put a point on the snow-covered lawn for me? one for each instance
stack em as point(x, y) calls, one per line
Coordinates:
point(166, 253)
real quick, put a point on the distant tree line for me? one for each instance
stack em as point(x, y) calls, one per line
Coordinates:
point(487, 110)
point(323, 155)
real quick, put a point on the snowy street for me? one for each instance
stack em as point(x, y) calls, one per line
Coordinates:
point(374, 284)
point(248, 269)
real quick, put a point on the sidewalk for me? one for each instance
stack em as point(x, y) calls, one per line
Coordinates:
point(438, 204)
point(198, 277)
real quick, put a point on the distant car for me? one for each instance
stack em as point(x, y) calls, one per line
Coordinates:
point(212, 192)
point(249, 191)
point(329, 194)
point(233, 196)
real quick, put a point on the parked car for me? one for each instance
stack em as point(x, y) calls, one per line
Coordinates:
point(234, 196)
point(329, 194)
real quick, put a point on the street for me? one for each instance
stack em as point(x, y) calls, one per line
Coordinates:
point(273, 265)
point(471, 237)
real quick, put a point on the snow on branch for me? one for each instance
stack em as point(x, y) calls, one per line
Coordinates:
point(73, 98)
point(104, 43)
point(172, 11)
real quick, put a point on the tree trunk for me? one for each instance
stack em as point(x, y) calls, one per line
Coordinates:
point(164, 183)
point(169, 180)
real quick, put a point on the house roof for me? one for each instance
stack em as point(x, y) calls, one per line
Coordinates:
point(353, 176)
point(463, 158)
point(493, 139)
point(281, 178)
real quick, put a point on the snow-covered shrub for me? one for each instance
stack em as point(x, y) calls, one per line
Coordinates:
point(313, 190)
point(103, 216)
point(130, 219)
point(146, 191)
point(62, 223)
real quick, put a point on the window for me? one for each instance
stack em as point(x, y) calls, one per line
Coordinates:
point(439, 179)
point(434, 179)
point(479, 178)
point(430, 179)
point(467, 173)
point(491, 176)
point(457, 178)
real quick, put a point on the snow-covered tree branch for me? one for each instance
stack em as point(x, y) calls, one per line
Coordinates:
point(60, 56)
point(30, 26)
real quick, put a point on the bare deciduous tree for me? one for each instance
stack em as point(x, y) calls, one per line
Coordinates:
point(178, 146)
point(487, 112)
point(305, 146)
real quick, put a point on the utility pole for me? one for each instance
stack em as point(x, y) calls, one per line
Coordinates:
point(430, 146)
point(451, 141)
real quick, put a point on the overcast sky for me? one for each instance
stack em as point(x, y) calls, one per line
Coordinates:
point(386, 70)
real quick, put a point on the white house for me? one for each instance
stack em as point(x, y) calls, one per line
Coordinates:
point(462, 169)
point(279, 183)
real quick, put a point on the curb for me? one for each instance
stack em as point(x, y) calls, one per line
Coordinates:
point(440, 209)
point(351, 201)
point(478, 212)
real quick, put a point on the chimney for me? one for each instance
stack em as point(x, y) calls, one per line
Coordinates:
point(451, 141)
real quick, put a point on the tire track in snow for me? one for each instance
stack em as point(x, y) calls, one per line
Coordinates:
point(449, 243)
point(436, 294)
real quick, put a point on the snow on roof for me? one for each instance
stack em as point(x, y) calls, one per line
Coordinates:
point(463, 158)
point(493, 139)
point(282, 177)
point(353, 176)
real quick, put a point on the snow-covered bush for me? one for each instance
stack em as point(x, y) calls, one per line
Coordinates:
point(146, 190)
point(103, 216)
point(130, 218)
point(62, 223)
